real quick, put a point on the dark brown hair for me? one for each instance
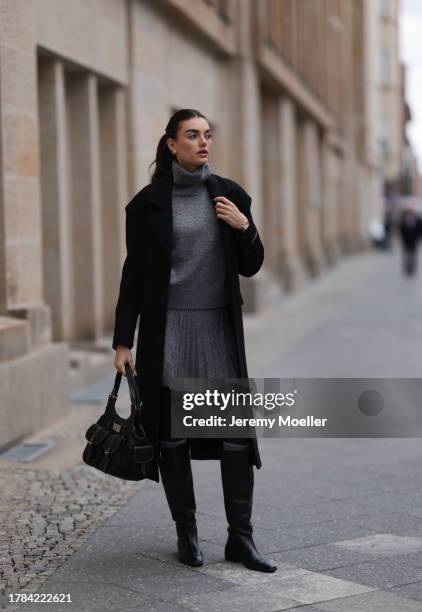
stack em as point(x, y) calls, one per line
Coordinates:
point(164, 156)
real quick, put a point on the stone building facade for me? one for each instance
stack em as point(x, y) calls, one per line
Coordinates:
point(86, 89)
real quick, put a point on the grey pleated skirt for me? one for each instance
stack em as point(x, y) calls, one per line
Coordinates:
point(199, 344)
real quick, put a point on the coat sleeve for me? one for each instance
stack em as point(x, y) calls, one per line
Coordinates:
point(132, 278)
point(249, 247)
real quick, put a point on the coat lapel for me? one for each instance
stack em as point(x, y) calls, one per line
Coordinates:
point(161, 212)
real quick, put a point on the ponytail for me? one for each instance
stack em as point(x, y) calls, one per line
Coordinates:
point(163, 159)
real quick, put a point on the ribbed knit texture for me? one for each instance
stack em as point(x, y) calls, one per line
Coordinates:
point(199, 339)
point(198, 265)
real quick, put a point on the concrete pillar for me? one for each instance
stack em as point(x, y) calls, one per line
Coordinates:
point(244, 91)
point(249, 112)
point(342, 206)
point(21, 283)
point(290, 264)
point(33, 371)
point(350, 203)
point(371, 203)
point(330, 199)
point(114, 190)
point(309, 195)
point(271, 227)
point(86, 205)
point(56, 220)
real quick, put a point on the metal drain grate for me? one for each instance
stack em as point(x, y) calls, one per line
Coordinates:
point(27, 451)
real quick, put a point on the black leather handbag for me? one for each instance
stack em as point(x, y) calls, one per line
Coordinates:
point(118, 446)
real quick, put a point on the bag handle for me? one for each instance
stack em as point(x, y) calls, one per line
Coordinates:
point(133, 387)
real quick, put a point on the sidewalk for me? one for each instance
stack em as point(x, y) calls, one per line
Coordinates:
point(341, 517)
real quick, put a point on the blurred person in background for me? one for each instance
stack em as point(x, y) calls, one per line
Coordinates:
point(410, 230)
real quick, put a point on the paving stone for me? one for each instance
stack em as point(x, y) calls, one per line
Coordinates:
point(94, 597)
point(383, 544)
point(294, 583)
point(311, 587)
point(379, 573)
point(297, 515)
point(410, 591)
point(159, 606)
point(305, 609)
point(239, 599)
point(391, 522)
point(375, 601)
point(413, 559)
point(325, 532)
point(95, 566)
point(172, 586)
point(236, 573)
point(321, 557)
point(98, 497)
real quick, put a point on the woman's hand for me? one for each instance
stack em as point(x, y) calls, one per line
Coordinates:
point(229, 212)
point(123, 356)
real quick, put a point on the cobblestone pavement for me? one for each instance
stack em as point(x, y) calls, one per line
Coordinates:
point(341, 517)
point(49, 507)
point(46, 514)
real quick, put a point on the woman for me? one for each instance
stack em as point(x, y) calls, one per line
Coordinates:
point(410, 234)
point(189, 234)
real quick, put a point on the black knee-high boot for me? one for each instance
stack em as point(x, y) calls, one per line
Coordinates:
point(176, 475)
point(238, 480)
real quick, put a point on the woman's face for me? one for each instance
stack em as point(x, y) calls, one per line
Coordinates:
point(193, 143)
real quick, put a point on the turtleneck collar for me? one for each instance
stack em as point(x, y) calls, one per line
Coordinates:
point(185, 178)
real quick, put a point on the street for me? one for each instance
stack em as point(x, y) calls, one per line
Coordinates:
point(341, 517)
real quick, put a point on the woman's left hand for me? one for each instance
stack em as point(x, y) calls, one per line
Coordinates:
point(228, 212)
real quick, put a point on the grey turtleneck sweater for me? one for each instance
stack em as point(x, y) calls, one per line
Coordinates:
point(198, 265)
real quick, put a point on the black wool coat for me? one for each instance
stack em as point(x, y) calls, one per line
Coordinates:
point(410, 232)
point(144, 290)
